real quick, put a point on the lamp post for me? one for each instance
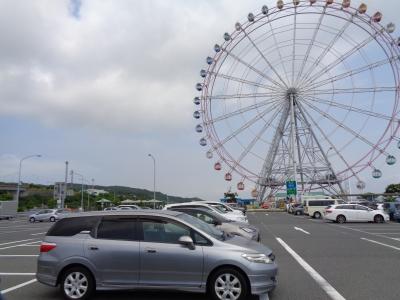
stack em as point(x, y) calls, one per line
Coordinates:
point(82, 178)
point(154, 180)
point(19, 173)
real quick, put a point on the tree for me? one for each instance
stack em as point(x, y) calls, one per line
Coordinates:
point(393, 188)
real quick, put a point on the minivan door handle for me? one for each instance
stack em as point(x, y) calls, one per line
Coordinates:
point(148, 250)
point(93, 248)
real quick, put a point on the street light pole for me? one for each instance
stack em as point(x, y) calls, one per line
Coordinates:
point(154, 180)
point(82, 178)
point(19, 173)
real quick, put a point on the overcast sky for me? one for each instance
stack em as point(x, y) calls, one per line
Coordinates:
point(103, 83)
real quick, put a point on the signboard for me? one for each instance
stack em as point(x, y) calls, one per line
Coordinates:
point(291, 188)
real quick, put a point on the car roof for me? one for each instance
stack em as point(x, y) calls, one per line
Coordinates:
point(136, 212)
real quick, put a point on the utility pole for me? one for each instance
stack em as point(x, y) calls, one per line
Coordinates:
point(154, 180)
point(64, 194)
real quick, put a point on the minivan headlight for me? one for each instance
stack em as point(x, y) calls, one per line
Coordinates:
point(257, 258)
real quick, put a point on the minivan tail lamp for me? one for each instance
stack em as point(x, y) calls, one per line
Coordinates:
point(258, 258)
point(46, 247)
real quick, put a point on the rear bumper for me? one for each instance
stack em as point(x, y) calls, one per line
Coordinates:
point(46, 279)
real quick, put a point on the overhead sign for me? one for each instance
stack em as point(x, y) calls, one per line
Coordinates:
point(291, 188)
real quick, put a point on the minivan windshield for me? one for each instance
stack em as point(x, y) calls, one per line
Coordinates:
point(203, 226)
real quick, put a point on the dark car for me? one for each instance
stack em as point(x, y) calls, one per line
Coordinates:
point(396, 215)
point(298, 210)
point(231, 227)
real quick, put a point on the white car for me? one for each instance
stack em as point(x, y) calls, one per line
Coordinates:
point(354, 213)
point(228, 215)
point(223, 207)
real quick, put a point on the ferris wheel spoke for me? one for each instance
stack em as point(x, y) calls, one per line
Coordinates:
point(346, 128)
point(353, 72)
point(257, 138)
point(240, 111)
point(381, 89)
point(283, 84)
point(242, 96)
point(235, 57)
point(247, 125)
point(278, 49)
point(307, 117)
point(326, 50)
point(311, 45)
point(294, 44)
point(346, 55)
point(353, 109)
point(240, 80)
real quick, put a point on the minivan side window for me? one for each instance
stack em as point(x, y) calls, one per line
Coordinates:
point(118, 229)
point(72, 226)
point(162, 231)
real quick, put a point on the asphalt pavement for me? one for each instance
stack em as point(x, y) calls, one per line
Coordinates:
point(317, 260)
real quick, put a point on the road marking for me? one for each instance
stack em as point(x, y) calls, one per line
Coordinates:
point(379, 243)
point(330, 290)
point(366, 232)
point(17, 242)
point(17, 286)
point(266, 214)
point(302, 230)
point(19, 245)
point(38, 233)
point(17, 274)
point(18, 255)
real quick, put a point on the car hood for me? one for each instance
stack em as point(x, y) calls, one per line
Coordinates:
point(246, 245)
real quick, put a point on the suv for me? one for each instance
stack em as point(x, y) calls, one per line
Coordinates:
point(151, 249)
point(231, 227)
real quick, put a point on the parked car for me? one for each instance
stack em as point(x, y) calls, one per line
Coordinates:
point(396, 216)
point(127, 207)
point(237, 207)
point(226, 225)
point(110, 208)
point(51, 215)
point(390, 208)
point(354, 213)
point(298, 210)
point(223, 207)
point(228, 215)
point(292, 206)
point(154, 249)
point(315, 207)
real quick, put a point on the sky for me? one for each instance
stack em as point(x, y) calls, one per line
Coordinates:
point(102, 84)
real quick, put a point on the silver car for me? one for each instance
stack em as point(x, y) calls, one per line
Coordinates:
point(149, 249)
point(228, 226)
point(51, 215)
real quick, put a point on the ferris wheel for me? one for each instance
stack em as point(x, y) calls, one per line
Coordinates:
point(305, 91)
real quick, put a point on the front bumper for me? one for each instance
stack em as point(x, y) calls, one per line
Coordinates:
point(263, 280)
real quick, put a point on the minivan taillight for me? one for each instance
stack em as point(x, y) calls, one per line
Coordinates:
point(46, 247)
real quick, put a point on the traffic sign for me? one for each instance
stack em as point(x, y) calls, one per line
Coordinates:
point(291, 188)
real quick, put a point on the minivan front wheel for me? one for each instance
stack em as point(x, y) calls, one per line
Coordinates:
point(228, 284)
point(77, 284)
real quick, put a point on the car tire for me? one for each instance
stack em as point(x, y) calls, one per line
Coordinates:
point(32, 220)
point(297, 213)
point(235, 283)
point(317, 215)
point(77, 283)
point(341, 219)
point(52, 219)
point(379, 219)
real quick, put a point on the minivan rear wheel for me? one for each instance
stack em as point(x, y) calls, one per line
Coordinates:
point(317, 215)
point(77, 283)
point(228, 283)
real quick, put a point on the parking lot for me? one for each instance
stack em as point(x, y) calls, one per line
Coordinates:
point(317, 260)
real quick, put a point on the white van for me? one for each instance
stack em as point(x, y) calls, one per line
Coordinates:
point(315, 207)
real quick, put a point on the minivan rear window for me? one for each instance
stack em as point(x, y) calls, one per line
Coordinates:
point(72, 226)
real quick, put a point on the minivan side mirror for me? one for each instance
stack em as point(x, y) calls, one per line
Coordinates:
point(187, 241)
point(216, 223)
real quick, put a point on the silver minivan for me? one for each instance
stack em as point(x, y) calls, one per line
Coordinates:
point(149, 249)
